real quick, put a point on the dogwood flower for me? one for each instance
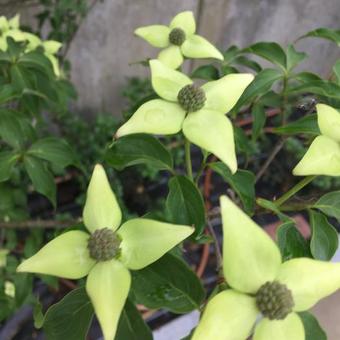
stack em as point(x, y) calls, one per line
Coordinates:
point(198, 111)
point(10, 29)
point(262, 286)
point(178, 40)
point(50, 48)
point(323, 155)
point(107, 253)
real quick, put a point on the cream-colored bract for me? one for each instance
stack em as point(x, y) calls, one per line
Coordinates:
point(323, 155)
point(208, 127)
point(251, 259)
point(194, 46)
point(143, 241)
point(11, 29)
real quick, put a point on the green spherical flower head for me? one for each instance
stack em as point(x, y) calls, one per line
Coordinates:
point(191, 98)
point(104, 245)
point(177, 36)
point(274, 300)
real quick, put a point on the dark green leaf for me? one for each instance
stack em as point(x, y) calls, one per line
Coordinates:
point(37, 61)
point(260, 85)
point(139, 149)
point(306, 77)
point(207, 72)
point(329, 204)
point(325, 238)
point(242, 142)
point(131, 325)
point(243, 182)
point(168, 283)
point(185, 203)
point(41, 178)
point(7, 161)
point(270, 51)
point(313, 330)
point(7, 93)
point(324, 33)
point(231, 53)
point(320, 87)
point(70, 318)
point(259, 116)
point(244, 61)
point(54, 150)
point(294, 57)
point(291, 242)
point(307, 125)
point(14, 130)
point(336, 71)
point(21, 78)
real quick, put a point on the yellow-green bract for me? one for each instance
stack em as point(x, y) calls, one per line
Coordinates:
point(250, 259)
point(323, 155)
point(11, 29)
point(208, 127)
point(143, 241)
point(193, 46)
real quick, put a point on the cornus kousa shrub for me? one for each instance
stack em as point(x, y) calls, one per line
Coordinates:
point(246, 124)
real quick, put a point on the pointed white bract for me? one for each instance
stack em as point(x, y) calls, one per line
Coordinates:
point(143, 241)
point(193, 45)
point(251, 259)
point(323, 155)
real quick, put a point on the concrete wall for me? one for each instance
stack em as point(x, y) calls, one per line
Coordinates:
point(105, 45)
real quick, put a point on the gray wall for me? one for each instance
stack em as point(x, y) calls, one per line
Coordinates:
point(104, 45)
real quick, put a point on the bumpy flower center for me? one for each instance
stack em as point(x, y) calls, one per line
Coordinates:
point(104, 244)
point(274, 300)
point(191, 98)
point(177, 36)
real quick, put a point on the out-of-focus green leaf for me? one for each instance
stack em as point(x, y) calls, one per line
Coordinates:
point(307, 125)
point(294, 57)
point(324, 33)
point(207, 72)
point(313, 330)
point(7, 161)
point(329, 204)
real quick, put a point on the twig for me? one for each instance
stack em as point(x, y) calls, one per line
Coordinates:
point(36, 224)
point(219, 258)
point(270, 158)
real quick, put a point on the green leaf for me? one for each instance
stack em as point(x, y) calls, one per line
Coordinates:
point(290, 241)
point(260, 85)
point(7, 161)
point(242, 182)
point(139, 149)
point(230, 54)
point(259, 116)
point(131, 325)
point(54, 150)
point(336, 71)
point(7, 93)
point(242, 142)
point(329, 204)
point(313, 330)
point(168, 283)
point(21, 77)
point(244, 61)
point(306, 77)
point(37, 61)
point(207, 72)
point(185, 203)
point(307, 125)
point(324, 33)
point(325, 239)
point(70, 318)
point(294, 57)
point(14, 130)
point(271, 206)
point(41, 178)
point(270, 51)
point(320, 87)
